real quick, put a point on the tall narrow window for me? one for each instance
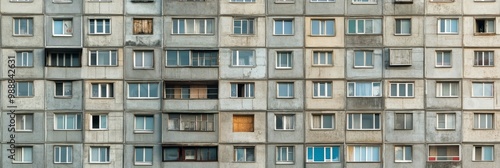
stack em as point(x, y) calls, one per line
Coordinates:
point(143, 59)
point(143, 26)
point(63, 88)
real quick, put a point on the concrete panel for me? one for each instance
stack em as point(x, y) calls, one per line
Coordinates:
point(154, 39)
point(471, 134)
point(437, 7)
point(472, 71)
point(473, 102)
point(35, 136)
point(419, 155)
point(258, 102)
point(65, 136)
point(73, 40)
point(433, 135)
point(362, 164)
point(325, 164)
point(445, 103)
point(114, 132)
point(368, 72)
point(63, 73)
point(132, 73)
point(228, 161)
point(143, 8)
point(336, 135)
point(175, 7)
point(297, 70)
point(365, 103)
point(191, 164)
point(115, 156)
point(132, 136)
point(190, 105)
point(102, 72)
point(190, 40)
point(27, 103)
point(415, 135)
point(33, 72)
point(294, 40)
point(73, 102)
point(326, 8)
point(114, 103)
point(353, 40)
point(473, 39)
point(129, 156)
point(227, 38)
point(487, 7)
point(298, 156)
point(467, 153)
point(38, 155)
point(415, 102)
point(336, 101)
point(76, 159)
point(275, 7)
point(433, 71)
point(143, 104)
point(435, 39)
point(337, 40)
point(242, 8)
point(414, 8)
point(100, 40)
point(182, 73)
point(415, 70)
point(363, 8)
point(416, 38)
point(11, 40)
point(228, 136)
point(324, 71)
point(285, 136)
point(444, 164)
point(171, 136)
point(27, 7)
point(360, 136)
point(295, 103)
point(63, 7)
point(103, 7)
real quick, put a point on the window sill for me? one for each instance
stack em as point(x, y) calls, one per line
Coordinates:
point(363, 34)
point(442, 1)
point(446, 96)
point(63, 97)
point(102, 65)
point(489, 97)
point(484, 34)
point(23, 131)
point(402, 97)
point(21, 1)
point(99, 162)
point(55, 35)
point(25, 96)
point(324, 162)
point(443, 129)
point(67, 130)
point(286, 68)
point(190, 131)
point(285, 163)
point(363, 67)
point(243, 66)
point(318, 35)
point(403, 129)
point(402, 34)
point(364, 3)
point(242, 35)
point(285, 97)
point(483, 66)
point(322, 129)
point(284, 130)
point(63, 162)
point(17, 66)
point(483, 161)
point(143, 132)
point(447, 33)
point(364, 96)
point(13, 162)
point(142, 98)
point(93, 129)
point(136, 68)
point(322, 65)
point(437, 66)
point(284, 2)
point(178, 34)
point(98, 34)
point(363, 161)
point(190, 66)
point(101, 97)
point(242, 97)
point(283, 34)
point(483, 129)
point(484, 1)
point(403, 161)
point(90, 1)
point(23, 35)
point(322, 97)
point(143, 164)
point(244, 162)
point(363, 129)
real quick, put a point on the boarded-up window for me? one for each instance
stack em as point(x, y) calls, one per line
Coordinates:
point(242, 123)
point(400, 57)
point(143, 26)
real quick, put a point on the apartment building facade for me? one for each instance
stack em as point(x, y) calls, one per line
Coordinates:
point(250, 83)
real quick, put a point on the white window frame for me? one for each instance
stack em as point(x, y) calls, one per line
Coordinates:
point(105, 149)
point(364, 1)
point(322, 27)
point(289, 89)
point(484, 121)
point(27, 31)
point(441, 57)
point(250, 26)
point(138, 128)
point(374, 28)
point(249, 91)
point(367, 58)
point(439, 88)
point(64, 85)
point(284, 56)
point(284, 27)
point(448, 25)
point(67, 27)
point(24, 122)
point(24, 59)
point(111, 54)
point(369, 151)
point(322, 121)
point(402, 30)
point(484, 58)
point(407, 125)
point(192, 122)
point(22, 151)
point(322, 0)
point(58, 151)
point(208, 26)
point(353, 126)
point(30, 92)
point(287, 122)
point(486, 26)
point(103, 122)
point(483, 92)
point(77, 123)
point(483, 152)
point(194, 58)
point(98, 93)
point(106, 29)
point(141, 55)
point(448, 117)
point(322, 58)
point(352, 91)
point(404, 153)
point(322, 89)
point(149, 94)
point(246, 152)
point(243, 1)
point(142, 159)
point(289, 152)
point(407, 86)
point(325, 159)
point(236, 59)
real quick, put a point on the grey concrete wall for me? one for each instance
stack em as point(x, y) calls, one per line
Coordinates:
point(104, 7)
point(38, 160)
point(456, 69)
point(116, 153)
point(227, 161)
point(364, 73)
point(336, 135)
point(433, 135)
point(415, 102)
point(327, 8)
point(446, 8)
point(416, 70)
point(485, 103)
point(113, 134)
point(285, 8)
point(182, 73)
point(52, 7)
point(228, 39)
point(238, 8)
point(336, 101)
point(258, 102)
point(334, 71)
point(296, 39)
point(35, 136)
point(444, 103)
point(472, 71)
point(473, 135)
point(471, 38)
point(297, 70)
point(298, 160)
point(65, 136)
point(31, 7)
point(74, 40)
point(415, 135)
point(435, 39)
point(102, 72)
point(228, 136)
point(154, 39)
point(11, 40)
point(26, 103)
point(174, 7)
point(35, 72)
point(74, 102)
point(467, 155)
point(143, 8)
point(129, 156)
point(286, 136)
point(115, 39)
point(76, 159)
point(337, 40)
point(414, 8)
point(295, 103)
point(419, 156)
point(142, 74)
point(131, 136)
point(114, 103)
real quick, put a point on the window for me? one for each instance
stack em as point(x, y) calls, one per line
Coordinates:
point(483, 58)
point(143, 155)
point(403, 26)
point(24, 122)
point(23, 26)
point(363, 121)
point(242, 90)
point(192, 58)
point(322, 89)
point(284, 1)
point(143, 90)
point(191, 122)
point(482, 89)
point(323, 154)
point(244, 154)
point(63, 89)
point(102, 90)
point(285, 89)
point(400, 57)
point(484, 0)
point(23, 154)
point(243, 58)
point(363, 59)
point(445, 121)
point(62, 1)
point(99, 122)
point(242, 1)
point(403, 153)
point(443, 58)
point(364, 26)
point(363, 1)
point(24, 59)
point(403, 121)
point(103, 58)
point(99, 154)
point(243, 26)
point(284, 60)
point(283, 27)
point(63, 154)
point(483, 121)
point(68, 122)
point(143, 59)
point(190, 153)
point(483, 153)
point(192, 90)
point(444, 153)
point(363, 153)
point(322, 0)
point(485, 26)
point(62, 27)
point(322, 58)
point(448, 26)
point(323, 121)
point(63, 59)
point(21, 0)
point(143, 26)
point(144, 123)
point(447, 89)
point(442, 0)
point(242, 123)
point(284, 154)
point(193, 26)
point(364, 89)
point(99, 26)
point(401, 89)
point(24, 89)
point(322, 27)
point(284, 122)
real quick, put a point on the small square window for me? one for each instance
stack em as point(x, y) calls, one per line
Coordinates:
point(322, 58)
point(443, 58)
point(322, 27)
point(99, 154)
point(62, 27)
point(24, 89)
point(363, 59)
point(285, 89)
point(143, 59)
point(482, 89)
point(24, 122)
point(24, 154)
point(445, 121)
point(323, 121)
point(63, 154)
point(284, 154)
point(24, 59)
point(483, 120)
point(99, 122)
point(485, 26)
point(484, 58)
point(143, 156)
point(23, 26)
point(483, 153)
point(283, 27)
point(243, 26)
point(243, 123)
point(284, 121)
point(322, 89)
point(447, 26)
point(403, 153)
point(143, 26)
point(144, 123)
point(284, 60)
point(403, 121)
point(403, 26)
point(63, 89)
